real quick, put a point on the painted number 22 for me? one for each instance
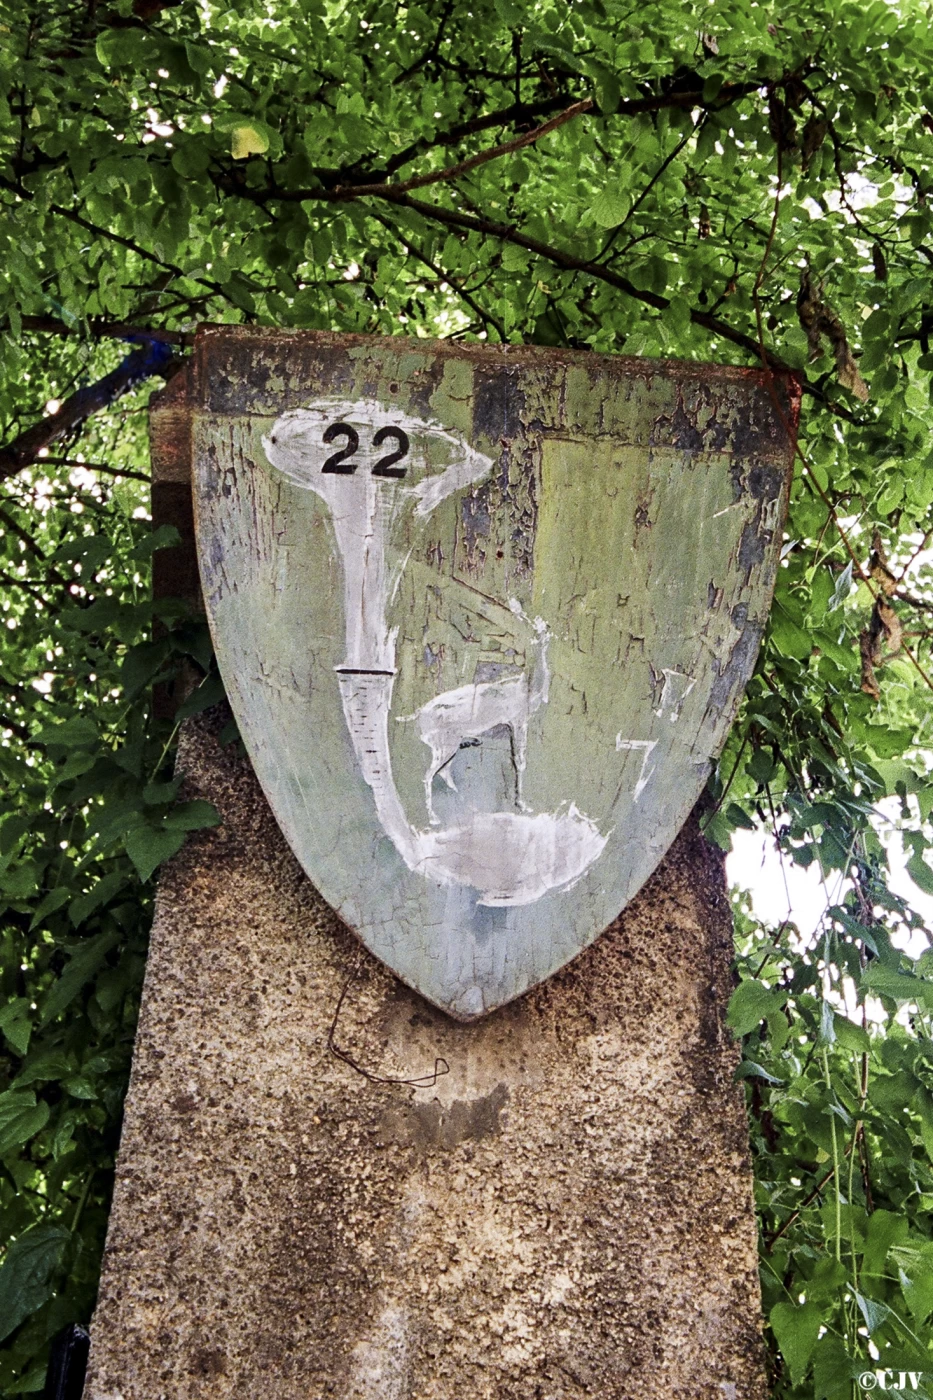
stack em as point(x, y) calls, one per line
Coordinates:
point(341, 461)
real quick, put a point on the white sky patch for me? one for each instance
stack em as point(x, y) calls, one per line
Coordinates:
point(781, 890)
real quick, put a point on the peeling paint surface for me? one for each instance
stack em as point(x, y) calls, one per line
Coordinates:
point(481, 687)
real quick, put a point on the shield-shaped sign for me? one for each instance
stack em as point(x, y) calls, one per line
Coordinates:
point(484, 616)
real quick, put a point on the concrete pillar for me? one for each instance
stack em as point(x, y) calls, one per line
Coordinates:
point(327, 1188)
point(565, 1212)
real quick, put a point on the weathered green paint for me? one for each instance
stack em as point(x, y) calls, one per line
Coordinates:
point(618, 539)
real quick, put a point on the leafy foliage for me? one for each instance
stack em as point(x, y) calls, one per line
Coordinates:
point(731, 182)
point(88, 809)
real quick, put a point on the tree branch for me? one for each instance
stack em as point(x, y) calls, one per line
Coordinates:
point(101, 330)
point(452, 172)
point(912, 600)
point(74, 217)
point(153, 358)
point(455, 219)
point(95, 467)
point(12, 582)
point(432, 51)
point(485, 316)
point(27, 539)
point(132, 247)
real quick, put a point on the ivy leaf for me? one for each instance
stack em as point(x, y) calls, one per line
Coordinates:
point(148, 846)
point(796, 1327)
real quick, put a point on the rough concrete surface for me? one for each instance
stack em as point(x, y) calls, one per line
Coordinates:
point(566, 1213)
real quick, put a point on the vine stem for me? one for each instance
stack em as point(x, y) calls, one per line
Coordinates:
point(82, 1199)
point(835, 1171)
point(811, 477)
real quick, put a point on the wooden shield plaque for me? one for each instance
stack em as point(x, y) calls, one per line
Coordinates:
point(484, 616)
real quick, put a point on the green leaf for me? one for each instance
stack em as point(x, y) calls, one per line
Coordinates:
point(899, 986)
point(788, 637)
point(874, 1313)
point(165, 537)
point(796, 1328)
point(192, 816)
point(842, 589)
point(148, 846)
point(27, 1273)
point(101, 893)
point(921, 873)
point(832, 1369)
point(12, 830)
point(750, 1004)
point(608, 92)
point(83, 963)
point(192, 157)
point(44, 1065)
point(33, 1381)
point(79, 1087)
point(885, 1231)
point(748, 1069)
point(21, 1117)
point(126, 48)
point(510, 13)
point(248, 139)
point(209, 692)
point(610, 208)
point(74, 733)
point(737, 818)
point(850, 1036)
point(919, 1295)
point(157, 794)
point(16, 1023)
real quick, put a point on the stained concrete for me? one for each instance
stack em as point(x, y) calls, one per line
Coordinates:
point(565, 1213)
